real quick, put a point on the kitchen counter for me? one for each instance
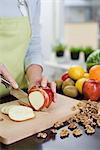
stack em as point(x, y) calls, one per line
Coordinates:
point(85, 142)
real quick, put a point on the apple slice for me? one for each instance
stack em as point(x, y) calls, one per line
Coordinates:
point(50, 94)
point(4, 110)
point(20, 113)
point(37, 100)
point(46, 97)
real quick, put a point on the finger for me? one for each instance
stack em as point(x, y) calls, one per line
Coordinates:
point(55, 97)
point(0, 79)
point(8, 76)
point(44, 82)
point(53, 86)
point(33, 84)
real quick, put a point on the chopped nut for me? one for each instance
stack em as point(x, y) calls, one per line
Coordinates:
point(54, 131)
point(74, 108)
point(89, 129)
point(77, 132)
point(42, 135)
point(58, 125)
point(72, 126)
point(64, 133)
point(98, 122)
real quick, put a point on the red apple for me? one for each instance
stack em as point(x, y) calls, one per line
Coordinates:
point(40, 97)
point(65, 76)
point(91, 90)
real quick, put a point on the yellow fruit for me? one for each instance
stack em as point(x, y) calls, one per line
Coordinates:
point(76, 72)
point(79, 84)
point(86, 75)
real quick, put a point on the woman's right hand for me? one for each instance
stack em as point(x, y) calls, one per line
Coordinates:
point(5, 73)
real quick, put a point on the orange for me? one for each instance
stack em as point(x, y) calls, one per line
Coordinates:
point(86, 75)
point(79, 84)
point(94, 73)
point(76, 72)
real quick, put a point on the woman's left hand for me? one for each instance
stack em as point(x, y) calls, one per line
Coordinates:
point(35, 78)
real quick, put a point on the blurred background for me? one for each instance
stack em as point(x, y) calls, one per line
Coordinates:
point(70, 31)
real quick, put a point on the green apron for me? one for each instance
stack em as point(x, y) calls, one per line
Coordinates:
point(15, 34)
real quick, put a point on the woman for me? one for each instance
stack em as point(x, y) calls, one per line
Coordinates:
point(20, 49)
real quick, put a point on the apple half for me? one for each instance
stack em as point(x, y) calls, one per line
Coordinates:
point(20, 113)
point(40, 98)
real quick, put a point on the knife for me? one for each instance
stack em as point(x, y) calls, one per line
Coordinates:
point(18, 93)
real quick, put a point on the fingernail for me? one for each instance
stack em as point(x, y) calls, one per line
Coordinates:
point(16, 86)
point(54, 90)
point(44, 85)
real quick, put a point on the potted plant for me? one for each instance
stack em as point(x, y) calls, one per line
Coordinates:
point(74, 52)
point(59, 49)
point(87, 51)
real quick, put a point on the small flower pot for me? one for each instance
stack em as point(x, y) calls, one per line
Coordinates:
point(74, 55)
point(60, 54)
point(86, 56)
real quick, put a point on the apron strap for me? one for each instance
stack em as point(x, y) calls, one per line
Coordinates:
point(22, 5)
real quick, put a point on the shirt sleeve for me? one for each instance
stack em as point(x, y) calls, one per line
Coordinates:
point(34, 54)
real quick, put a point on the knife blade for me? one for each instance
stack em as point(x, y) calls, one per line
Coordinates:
point(18, 93)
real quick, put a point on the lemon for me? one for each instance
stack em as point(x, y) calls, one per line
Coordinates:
point(79, 84)
point(76, 72)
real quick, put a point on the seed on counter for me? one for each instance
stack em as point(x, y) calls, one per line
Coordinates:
point(54, 131)
point(58, 125)
point(74, 108)
point(42, 135)
point(1, 119)
point(64, 133)
point(89, 130)
point(77, 132)
point(72, 126)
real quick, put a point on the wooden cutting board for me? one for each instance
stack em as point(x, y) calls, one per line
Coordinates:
point(11, 131)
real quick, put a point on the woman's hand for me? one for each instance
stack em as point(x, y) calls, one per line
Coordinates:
point(35, 78)
point(5, 73)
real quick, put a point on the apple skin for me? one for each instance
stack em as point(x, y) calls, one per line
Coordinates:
point(48, 96)
point(91, 90)
point(65, 76)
